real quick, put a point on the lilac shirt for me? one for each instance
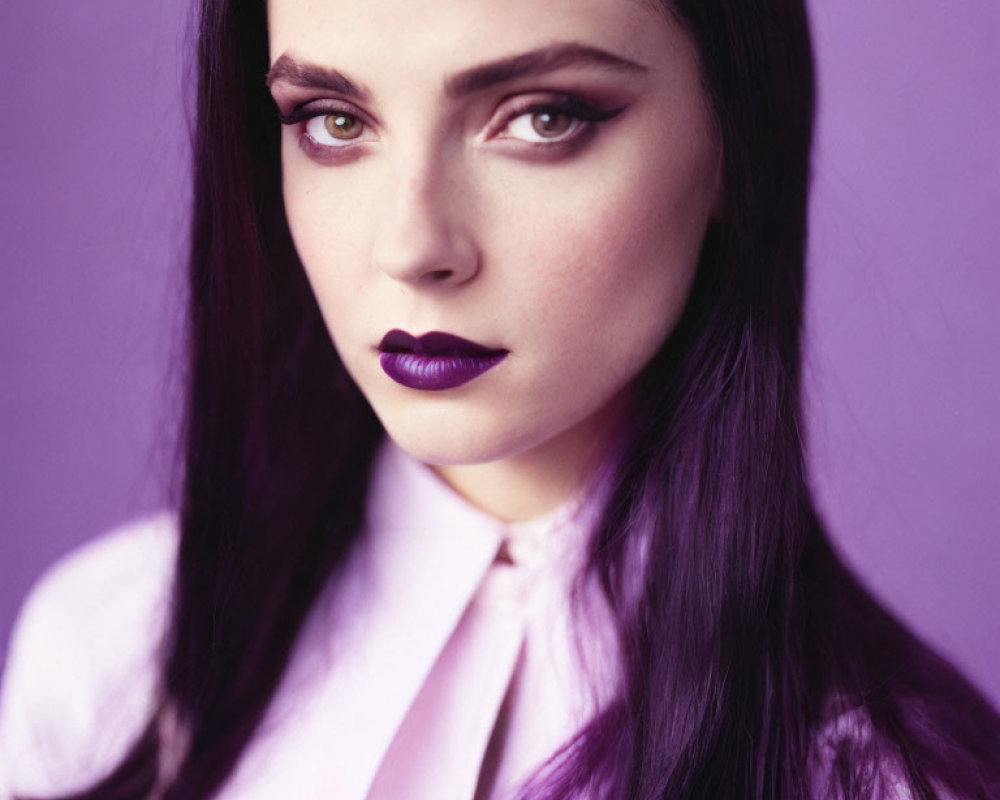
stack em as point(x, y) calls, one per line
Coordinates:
point(443, 622)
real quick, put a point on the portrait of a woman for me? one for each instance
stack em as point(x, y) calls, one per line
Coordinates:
point(494, 480)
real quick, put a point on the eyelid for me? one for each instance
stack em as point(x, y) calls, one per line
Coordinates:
point(290, 113)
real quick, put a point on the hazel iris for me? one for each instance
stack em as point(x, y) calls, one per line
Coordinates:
point(342, 126)
point(548, 123)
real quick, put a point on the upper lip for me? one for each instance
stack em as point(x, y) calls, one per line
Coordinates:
point(434, 343)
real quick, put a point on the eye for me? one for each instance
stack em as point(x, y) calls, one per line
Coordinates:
point(334, 129)
point(327, 131)
point(561, 120)
point(542, 125)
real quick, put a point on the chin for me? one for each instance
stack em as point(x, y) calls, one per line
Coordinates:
point(457, 444)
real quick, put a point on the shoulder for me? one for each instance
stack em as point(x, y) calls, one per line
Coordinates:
point(133, 562)
point(81, 670)
point(87, 601)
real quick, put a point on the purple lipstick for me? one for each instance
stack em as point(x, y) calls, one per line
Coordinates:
point(434, 361)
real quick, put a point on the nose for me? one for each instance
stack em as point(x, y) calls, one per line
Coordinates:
point(424, 237)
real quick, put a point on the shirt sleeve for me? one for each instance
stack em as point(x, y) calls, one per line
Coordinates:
point(81, 673)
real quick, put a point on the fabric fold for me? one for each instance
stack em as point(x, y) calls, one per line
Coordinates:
point(447, 730)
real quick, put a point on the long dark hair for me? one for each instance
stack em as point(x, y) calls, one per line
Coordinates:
point(755, 664)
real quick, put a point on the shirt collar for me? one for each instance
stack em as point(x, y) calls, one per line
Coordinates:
point(370, 646)
point(408, 497)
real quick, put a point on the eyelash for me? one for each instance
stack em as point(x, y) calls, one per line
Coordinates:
point(583, 117)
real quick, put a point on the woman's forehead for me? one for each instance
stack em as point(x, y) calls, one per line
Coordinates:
point(394, 37)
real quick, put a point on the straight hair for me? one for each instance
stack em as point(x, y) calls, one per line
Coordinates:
point(754, 664)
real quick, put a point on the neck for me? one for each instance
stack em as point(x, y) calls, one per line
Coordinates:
point(539, 480)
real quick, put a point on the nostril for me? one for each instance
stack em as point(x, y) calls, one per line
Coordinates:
point(439, 275)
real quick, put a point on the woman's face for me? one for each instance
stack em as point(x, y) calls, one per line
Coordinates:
point(533, 177)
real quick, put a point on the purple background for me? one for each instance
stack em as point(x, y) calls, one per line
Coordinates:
point(903, 371)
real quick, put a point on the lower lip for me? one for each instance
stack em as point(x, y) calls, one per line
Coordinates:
point(435, 373)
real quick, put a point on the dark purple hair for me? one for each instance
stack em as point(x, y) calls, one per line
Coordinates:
point(746, 643)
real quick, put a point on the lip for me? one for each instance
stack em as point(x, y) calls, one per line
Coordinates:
point(434, 361)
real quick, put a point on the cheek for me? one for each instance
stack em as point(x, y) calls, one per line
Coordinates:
point(621, 266)
point(329, 238)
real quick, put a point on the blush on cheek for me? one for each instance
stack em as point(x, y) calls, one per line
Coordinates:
point(625, 250)
point(632, 279)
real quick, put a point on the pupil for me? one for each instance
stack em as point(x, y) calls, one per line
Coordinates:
point(547, 123)
point(342, 126)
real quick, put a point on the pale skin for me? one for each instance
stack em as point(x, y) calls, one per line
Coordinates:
point(486, 207)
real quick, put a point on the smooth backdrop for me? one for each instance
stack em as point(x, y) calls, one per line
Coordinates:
point(903, 373)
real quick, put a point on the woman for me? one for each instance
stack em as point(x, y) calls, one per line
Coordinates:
point(606, 202)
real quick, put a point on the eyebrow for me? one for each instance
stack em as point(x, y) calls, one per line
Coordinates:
point(287, 70)
point(534, 63)
point(470, 81)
